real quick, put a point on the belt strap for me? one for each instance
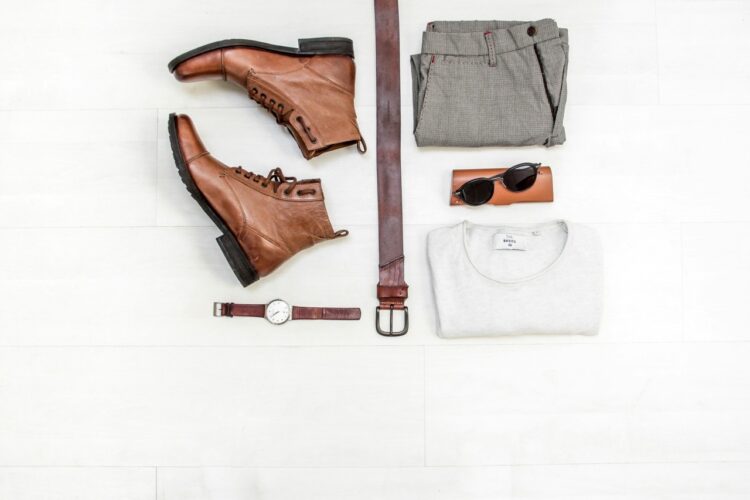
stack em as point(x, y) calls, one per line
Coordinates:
point(392, 289)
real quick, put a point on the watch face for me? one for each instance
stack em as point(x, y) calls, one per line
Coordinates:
point(278, 312)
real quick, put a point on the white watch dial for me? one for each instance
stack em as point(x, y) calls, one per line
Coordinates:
point(278, 312)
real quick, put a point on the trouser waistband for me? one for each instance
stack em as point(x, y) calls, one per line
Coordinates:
point(470, 38)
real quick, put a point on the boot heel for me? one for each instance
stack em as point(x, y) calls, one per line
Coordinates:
point(326, 45)
point(242, 268)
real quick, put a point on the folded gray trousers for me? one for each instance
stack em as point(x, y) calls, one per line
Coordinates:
point(490, 83)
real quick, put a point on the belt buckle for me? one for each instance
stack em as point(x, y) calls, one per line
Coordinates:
point(390, 332)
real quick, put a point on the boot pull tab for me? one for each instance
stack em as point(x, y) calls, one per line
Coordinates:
point(341, 233)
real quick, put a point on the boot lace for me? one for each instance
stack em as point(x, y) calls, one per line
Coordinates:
point(278, 110)
point(275, 179)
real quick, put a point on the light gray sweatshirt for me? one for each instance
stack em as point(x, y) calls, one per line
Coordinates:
point(516, 279)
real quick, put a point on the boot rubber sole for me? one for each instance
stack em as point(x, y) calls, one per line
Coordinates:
point(229, 245)
point(307, 47)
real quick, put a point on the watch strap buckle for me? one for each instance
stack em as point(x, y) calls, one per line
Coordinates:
point(222, 309)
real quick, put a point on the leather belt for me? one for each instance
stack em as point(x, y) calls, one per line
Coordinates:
point(392, 289)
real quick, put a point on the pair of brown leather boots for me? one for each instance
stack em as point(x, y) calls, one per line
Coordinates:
point(265, 220)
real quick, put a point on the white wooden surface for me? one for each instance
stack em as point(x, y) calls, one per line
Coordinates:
point(116, 382)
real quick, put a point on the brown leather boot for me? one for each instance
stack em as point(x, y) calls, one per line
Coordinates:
point(310, 90)
point(265, 219)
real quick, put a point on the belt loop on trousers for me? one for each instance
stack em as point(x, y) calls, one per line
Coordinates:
point(489, 38)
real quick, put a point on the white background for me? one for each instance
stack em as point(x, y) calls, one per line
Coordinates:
point(117, 383)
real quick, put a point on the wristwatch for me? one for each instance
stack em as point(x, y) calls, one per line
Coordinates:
point(278, 312)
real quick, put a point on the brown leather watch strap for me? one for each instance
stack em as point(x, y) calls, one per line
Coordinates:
point(345, 313)
point(392, 289)
point(230, 309)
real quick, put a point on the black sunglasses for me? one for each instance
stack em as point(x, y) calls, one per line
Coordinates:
point(517, 178)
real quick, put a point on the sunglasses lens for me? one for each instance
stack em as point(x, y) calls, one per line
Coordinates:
point(519, 178)
point(477, 192)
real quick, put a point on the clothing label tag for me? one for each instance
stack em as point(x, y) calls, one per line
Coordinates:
point(508, 241)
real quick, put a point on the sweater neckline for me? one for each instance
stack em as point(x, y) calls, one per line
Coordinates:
point(465, 225)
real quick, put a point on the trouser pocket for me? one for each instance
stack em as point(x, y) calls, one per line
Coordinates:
point(552, 57)
point(464, 101)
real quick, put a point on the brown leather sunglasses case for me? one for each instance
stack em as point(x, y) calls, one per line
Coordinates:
point(540, 191)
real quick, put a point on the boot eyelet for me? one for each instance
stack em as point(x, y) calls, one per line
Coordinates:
point(301, 121)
